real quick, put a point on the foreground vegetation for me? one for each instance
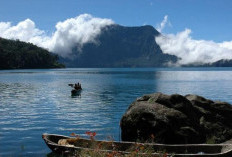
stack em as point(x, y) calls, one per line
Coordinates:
point(95, 148)
point(15, 54)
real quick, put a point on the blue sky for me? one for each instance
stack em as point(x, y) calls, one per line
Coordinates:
point(208, 19)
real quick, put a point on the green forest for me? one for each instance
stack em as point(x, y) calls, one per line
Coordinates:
point(15, 54)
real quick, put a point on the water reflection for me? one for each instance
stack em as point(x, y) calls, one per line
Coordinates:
point(210, 84)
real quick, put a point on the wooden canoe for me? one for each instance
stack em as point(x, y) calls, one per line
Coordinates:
point(76, 92)
point(123, 148)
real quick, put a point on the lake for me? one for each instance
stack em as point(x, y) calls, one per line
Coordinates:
point(33, 102)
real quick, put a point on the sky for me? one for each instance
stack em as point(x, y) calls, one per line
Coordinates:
point(196, 21)
point(208, 19)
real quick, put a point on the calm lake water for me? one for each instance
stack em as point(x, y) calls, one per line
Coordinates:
point(33, 102)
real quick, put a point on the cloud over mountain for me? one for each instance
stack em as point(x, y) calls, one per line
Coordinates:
point(163, 24)
point(192, 51)
point(73, 32)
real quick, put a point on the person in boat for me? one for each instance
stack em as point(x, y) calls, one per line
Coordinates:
point(77, 86)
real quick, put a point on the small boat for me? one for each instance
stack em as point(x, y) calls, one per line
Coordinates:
point(65, 145)
point(76, 92)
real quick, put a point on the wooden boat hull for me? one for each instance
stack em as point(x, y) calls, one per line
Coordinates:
point(76, 92)
point(188, 150)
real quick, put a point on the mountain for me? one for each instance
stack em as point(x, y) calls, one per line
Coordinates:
point(219, 63)
point(15, 54)
point(115, 46)
point(119, 46)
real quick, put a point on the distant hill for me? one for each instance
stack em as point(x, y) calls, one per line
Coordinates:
point(21, 55)
point(219, 63)
point(119, 46)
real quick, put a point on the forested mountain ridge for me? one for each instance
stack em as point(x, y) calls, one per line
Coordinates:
point(120, 46)
point(15, 54)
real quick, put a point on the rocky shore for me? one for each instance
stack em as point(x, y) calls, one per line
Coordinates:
point(177, 119)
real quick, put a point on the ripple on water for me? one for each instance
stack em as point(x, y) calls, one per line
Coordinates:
point(36, 101)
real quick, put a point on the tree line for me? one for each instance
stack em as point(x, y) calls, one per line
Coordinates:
point(15, 54)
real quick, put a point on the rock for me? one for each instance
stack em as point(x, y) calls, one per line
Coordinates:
point(177, 119)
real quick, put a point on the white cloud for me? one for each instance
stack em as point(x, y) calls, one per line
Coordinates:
point(4, 26)
point(69, 33)
point(192, 51)
point(226, 44)
point(162, 25)
point(24, 30)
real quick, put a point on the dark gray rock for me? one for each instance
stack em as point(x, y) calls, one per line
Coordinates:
point(177, 119)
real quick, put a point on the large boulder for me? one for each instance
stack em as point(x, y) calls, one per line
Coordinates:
point(177, 119)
